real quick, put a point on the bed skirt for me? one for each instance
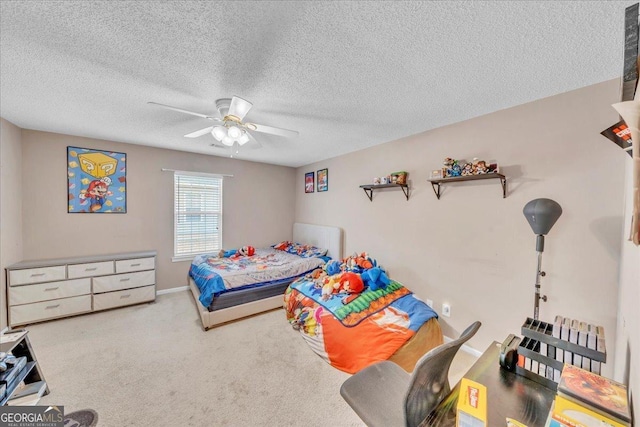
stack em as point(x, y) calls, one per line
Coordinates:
point(218, 317)
point(428, 337)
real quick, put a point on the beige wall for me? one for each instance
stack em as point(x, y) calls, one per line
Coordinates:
point(10, 205)
point(628, 339)
point(258, 203)
point(475, 250)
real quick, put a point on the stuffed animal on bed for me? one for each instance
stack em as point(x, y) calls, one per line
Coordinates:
point(247, 251)
point(357, 263)
point(332, 267)
point(346, 283)
point(375, 278)
point(227, 254)
point(236, 253)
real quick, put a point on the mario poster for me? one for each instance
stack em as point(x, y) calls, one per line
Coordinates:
point(97, 181)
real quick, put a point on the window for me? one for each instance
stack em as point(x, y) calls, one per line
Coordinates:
point(197, 214)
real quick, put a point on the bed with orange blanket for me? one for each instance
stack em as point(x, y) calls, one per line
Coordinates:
point(352, 330)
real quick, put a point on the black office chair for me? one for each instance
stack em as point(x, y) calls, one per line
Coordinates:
point(385, 395)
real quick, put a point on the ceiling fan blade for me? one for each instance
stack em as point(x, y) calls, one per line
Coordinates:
point(199, 132)
point(254, 142)
point(272, 130)
point(239, 107)
point(204, 116)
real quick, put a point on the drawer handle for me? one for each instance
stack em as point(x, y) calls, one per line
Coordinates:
point(135, 265)
point(125, 296)
point(91, 269)
point(52, 289)
point(53, 306)
point(125, 280)
point(37, 274)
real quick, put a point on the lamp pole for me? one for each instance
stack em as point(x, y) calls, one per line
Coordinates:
point(539, 273)
point(541, 215)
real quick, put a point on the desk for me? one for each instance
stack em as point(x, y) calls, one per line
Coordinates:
point(508, 395)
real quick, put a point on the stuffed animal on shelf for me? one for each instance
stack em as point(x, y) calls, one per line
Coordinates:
point(480, 167)
point(467, 169)
point(452, 167)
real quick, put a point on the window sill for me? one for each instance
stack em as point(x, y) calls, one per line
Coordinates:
point(182, 258)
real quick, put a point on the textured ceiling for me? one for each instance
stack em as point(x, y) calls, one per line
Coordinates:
point(346, 75)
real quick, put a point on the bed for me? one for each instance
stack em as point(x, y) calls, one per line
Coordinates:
point(255, 284)
point(352, 327)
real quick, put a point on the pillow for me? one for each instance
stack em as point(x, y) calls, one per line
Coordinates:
point(304, 251)
point(307, 251)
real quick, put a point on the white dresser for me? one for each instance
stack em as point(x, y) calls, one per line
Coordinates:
point(50, 289)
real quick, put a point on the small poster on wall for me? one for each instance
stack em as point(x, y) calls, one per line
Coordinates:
point(323, 180)
point(308, 182)
point(97, 181)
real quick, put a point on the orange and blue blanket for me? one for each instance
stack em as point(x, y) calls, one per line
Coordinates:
point(353, 333)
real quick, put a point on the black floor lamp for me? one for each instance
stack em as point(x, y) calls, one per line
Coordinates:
point(541, 214)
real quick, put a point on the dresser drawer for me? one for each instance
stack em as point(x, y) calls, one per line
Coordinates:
point(37, 275)
point(126, 297)
point(138, 264)
point(123, 281)
point(90, 269)
point(29, 313)
point(49, 291)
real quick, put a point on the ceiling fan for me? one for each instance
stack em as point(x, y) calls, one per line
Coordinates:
point(230, 130)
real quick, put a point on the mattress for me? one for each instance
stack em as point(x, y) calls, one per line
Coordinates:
point(243, 296)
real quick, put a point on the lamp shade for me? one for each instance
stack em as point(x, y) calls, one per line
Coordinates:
point(542, 214)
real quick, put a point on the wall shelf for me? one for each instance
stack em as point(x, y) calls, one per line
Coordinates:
point(368, 189)
point(436, 183)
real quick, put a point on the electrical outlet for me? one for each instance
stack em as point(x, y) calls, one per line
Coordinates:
point(430, 303)
point(446, 310)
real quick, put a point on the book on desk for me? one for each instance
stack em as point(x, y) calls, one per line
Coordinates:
point(586, 399)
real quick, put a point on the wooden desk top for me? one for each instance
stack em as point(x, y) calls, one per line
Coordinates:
point(508, 395)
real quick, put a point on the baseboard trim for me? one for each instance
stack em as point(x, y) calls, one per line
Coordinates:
point(472, 351)
point(172, 290)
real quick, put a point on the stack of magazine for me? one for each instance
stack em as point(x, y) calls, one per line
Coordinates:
point(586, 399)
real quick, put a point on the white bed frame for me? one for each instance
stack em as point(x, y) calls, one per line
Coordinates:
point(318, 235)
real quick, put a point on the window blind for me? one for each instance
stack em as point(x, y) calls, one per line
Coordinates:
point(197, 214)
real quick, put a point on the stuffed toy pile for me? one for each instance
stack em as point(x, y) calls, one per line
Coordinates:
point(351, 276)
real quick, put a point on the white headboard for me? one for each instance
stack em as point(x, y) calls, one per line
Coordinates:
point(321, 236)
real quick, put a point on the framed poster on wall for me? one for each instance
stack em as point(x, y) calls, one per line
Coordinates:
point(323, 180)
point(96, 181)
point(308, 182)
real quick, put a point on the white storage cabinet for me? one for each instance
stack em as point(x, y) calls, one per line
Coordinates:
point(50, 289)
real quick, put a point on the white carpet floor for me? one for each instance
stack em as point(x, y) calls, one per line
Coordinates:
point(154, 365)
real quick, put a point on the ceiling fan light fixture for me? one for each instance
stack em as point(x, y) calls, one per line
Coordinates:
point(239, 107)
point(227, 141)
point(219, 132)
point(243, 139)
point(234, 132)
